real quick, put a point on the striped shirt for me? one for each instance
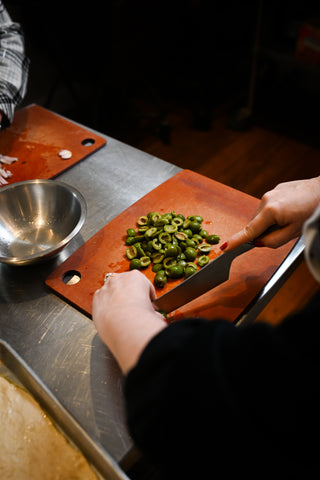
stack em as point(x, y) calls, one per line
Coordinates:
point(14, 66)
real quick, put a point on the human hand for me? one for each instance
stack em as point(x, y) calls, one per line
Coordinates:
point(288, 205)
point(124, 316)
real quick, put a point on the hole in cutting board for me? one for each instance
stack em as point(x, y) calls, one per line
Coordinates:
point(87, 142)
point(71, 277)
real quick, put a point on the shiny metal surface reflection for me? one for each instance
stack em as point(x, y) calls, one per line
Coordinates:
point(56, 341)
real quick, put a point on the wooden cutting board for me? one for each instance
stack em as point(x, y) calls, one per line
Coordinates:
point(224, 210)
point(36, 137)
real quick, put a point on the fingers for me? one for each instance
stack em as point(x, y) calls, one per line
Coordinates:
point(152, 292)
point(254, 229)
point(280, 237)
point(128, 284)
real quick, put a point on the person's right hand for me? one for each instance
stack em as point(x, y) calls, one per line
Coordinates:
point(288, 205)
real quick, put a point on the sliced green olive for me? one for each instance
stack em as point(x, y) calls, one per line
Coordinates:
point(204, 248)
point(174, 241)
point(171, 250)
point(169, 216)
point(203, 260)
point(190, 253)
point(170, 228)
point(188, 232)
point(156, 244)
point(195, 218)
point(149, 246)
point(156, 267)
point(197, 238)
point(130, 240)
point(186, 223)
point(192, 265)
point(157, 257)
point(177, 221)
point(143, 229)
point(131, 232)
point(183, 263)
point(181, 236)
point(155, 217)
point(131, 252)
point(145, 261)
point(213, 239)
point(161, 222)
point(151, 232)
point(143, 220)
point(169, 261)
point(191, 243)
point(139, 249)
point(160, 279)
point(195, 227)
point(188, 271)
point(175, 271)
point(135, 264)
point(137, 238)
point(164, 237)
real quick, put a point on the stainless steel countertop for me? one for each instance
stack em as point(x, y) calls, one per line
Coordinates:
point(58, 342)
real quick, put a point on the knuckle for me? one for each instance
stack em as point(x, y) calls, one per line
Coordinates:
point(248, 232)
point(271, 208)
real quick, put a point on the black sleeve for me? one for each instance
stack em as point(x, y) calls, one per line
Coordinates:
point(207, 397)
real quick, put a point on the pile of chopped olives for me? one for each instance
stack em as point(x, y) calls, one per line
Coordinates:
point(175, 246)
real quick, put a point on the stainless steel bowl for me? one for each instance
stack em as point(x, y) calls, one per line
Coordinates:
point(37, 219)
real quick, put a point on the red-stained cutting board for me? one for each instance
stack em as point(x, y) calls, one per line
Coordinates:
point(36, 137)
point(224, 210)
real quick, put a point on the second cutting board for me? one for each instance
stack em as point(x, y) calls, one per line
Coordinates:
point(36, 137)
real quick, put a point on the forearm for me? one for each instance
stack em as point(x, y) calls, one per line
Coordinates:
point(124, 316)
point(127, 337)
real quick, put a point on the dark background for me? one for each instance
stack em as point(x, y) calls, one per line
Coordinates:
point(122, 66)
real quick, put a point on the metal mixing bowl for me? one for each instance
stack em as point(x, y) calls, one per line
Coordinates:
point(37, 219)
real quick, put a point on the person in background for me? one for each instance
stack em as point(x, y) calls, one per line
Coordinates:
point(205, 399)
point(14, 67)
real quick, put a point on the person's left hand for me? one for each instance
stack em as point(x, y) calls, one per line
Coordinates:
point(122, 294)
point(124, 315)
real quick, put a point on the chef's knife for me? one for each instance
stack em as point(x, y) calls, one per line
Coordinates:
point(208, 277)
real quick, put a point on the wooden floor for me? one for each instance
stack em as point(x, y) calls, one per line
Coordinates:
point(252, 161)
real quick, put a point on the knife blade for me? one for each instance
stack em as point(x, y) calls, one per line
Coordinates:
point(211, 275)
